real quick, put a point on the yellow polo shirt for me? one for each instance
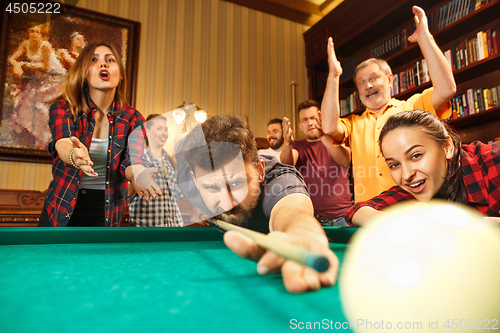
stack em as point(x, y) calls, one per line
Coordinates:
point(370, 172)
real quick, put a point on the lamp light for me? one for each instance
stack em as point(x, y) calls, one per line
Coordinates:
point(179, 115)
point(200, 116)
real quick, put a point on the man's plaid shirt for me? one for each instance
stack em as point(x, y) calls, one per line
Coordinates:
point(63, 190)
point(480, 164)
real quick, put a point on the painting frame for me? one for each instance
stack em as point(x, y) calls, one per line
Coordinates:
point(129, 48)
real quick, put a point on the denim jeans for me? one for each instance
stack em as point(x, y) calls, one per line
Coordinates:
point(335, 222)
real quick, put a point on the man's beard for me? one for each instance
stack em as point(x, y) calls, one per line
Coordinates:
point(244, 219)
point(314, 135)
point(277, 143)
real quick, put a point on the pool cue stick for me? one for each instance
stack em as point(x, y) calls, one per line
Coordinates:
point(282, 248)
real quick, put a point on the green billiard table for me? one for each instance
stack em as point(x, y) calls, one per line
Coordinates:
point(149, 280)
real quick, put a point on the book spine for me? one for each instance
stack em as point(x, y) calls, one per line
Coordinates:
point(494, 96)
point(474, 49)
point(440, 17)
point(425, 71)
point(462, 56)
point(465, 105)
point(470, 101)
point(494, 40)
point(498, 95)
point(405, 81)
point(476, 101)
point(396, 84)
point(447, 55)
point(489, 42)
point(480, 46)
point(490, 99)
point(478, 4)
point(480, 99)
point(454, 114)
point(485, 45)
point(486, 99)
point(466, 52)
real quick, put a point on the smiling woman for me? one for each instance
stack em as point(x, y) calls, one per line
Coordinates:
point(427, 160)
point(417, 162)
point(163, 210)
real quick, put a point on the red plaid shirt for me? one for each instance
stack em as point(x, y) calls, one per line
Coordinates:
point(480, 164)
point(63, 190)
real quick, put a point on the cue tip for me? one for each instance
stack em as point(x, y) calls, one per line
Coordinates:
point(319, 263)
point(287, 250)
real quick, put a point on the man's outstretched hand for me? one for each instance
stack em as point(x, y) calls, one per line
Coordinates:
point(297, 278)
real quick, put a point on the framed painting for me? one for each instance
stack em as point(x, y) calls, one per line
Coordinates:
point(36, 51)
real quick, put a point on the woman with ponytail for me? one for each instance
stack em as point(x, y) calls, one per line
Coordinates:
point(427, 160)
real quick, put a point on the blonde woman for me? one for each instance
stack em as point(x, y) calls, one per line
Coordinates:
point(90, 125)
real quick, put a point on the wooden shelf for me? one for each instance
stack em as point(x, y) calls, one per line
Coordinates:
point(463, 26)
point(476, 118)
point(358, 111)
point(478, 68)
point(466, 24)
point(391, 18)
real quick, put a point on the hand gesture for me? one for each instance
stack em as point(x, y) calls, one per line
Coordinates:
point(333, 63)
point(81, 157)
point(287, 131)
point(421, 23)
point(319, 126)
point(144, 183)
point(296, 277)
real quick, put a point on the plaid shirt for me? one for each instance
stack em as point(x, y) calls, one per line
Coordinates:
point(480, 165)
point(60, 198)
point(162, 211)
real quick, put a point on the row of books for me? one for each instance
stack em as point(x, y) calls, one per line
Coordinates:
point(392, 44)
point(474, 101)
point(485, 44)
point(398, 40)
point(350, 104)
point(348, 67)
point(413, 76)
point(456, 9)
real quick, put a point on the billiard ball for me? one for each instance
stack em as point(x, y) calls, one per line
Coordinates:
point(432, 264)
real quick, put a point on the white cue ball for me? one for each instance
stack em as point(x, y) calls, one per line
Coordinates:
point(433, 263)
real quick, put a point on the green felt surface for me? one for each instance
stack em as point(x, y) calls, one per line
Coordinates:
point(192, 285)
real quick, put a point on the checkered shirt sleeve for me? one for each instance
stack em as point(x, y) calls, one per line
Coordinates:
point(480, 164)
point(387, 198)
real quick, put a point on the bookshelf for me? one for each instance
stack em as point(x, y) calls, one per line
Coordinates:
point(360, 25)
